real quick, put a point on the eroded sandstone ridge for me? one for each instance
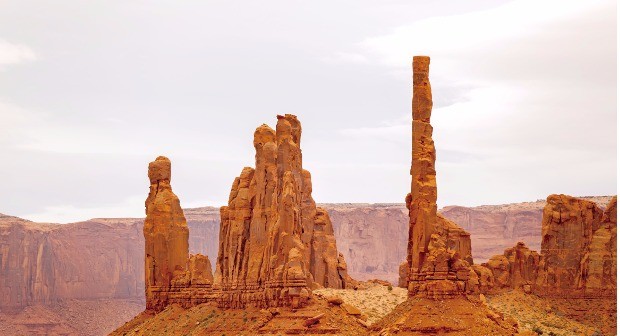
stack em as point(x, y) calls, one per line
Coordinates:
point(577, 259)
point(438, 251)
point(171, 275)
point(578, 247)
point(275, 244)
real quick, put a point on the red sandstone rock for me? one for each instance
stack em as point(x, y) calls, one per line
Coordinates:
point(171, 276)
point(598, 264)
point(313, 320)
point(438, 249)
point(516, 268)
point(274, 242)
point(166, 235)
point(403, 273)
point(578, 256)
point(567, 229)
point(47, 263)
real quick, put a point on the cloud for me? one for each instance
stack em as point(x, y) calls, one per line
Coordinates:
point(525, 98)
point(346, 57)
point(15, 53)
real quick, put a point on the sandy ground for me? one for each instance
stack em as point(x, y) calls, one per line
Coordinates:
point(376, 301)
point(70, 318)
point(535, 314)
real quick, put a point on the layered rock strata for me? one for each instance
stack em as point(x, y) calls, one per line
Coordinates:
point(275, 244)
point(171, 275)
point(437, 266)
point(516, 268)
point(578, 247)
point(578, 256)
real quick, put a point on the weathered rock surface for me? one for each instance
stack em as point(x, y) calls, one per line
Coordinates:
point(171, 276)
point(578, 257)
point(598, 265)
point(438, 251)
point(46, 263)
point(578, 247)
point(369, 237)
point(275, 244)
point(516, 268)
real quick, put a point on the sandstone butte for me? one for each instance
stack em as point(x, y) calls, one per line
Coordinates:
point(276, 245)
point(438, 251)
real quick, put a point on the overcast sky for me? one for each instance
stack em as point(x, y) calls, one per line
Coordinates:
point(91, 91)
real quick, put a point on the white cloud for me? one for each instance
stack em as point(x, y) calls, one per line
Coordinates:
point(15, 53)
point(346, 57)
point(537, 106)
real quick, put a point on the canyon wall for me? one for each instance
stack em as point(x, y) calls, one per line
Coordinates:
point(42, 263)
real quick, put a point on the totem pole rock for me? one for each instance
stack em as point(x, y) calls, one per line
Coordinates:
point(438, 251)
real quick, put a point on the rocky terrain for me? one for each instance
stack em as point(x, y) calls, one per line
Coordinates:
point(374, 302)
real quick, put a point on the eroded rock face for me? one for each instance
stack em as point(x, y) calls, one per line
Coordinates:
point(275, 244)
point(45, 263)
point(171, 276)
point(516, 268)
point(372, 238)
point(437, 250)
point(578, 257)
point(567, 229)
point(597, 272)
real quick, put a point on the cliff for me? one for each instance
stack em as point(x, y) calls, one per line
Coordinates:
point(44, 263)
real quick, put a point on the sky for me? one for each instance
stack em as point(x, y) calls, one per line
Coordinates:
point(92, 91)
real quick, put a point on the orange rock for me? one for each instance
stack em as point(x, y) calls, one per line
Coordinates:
point(578, 256)
point(516, 268)
point(598, 264)
point(171, 275)
point(275, 244)
point(438, 251)
point(568, 227)
point(166, 235)
point(351, 310)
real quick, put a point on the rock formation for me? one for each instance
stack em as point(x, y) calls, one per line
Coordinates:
point(578, 249)
point(171, 276)
point(275, 244)
point(437, 266)
point(48, 263)
point(598, 265)
point(516, 268)
point(578, 256)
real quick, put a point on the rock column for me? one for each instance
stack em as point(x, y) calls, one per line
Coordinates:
point(165, 234)
point(437, 268)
